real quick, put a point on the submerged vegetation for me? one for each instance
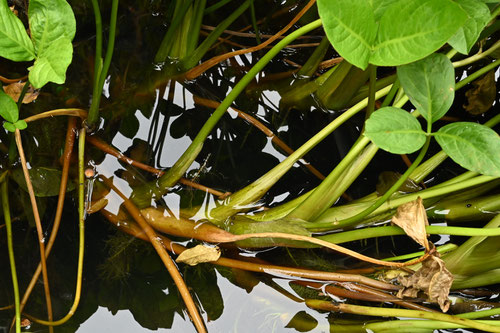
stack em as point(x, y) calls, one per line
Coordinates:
point(385, 89)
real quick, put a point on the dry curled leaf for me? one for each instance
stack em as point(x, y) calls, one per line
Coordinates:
point(14, 91)
point(432, 278)
point(199, 254)
point(412, 218)
point(482, 95)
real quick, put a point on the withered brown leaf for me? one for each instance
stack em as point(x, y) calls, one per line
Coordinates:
point(14, 91)
point(412, 218)
point(432, 278)
point(199, 254)
point(482, 95)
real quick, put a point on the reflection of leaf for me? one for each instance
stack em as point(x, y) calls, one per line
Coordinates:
point(412, 218)
point(388, 178)
point(433, 279)
point(302, 322)
point(482, 96)
point(14, 91)
point(202, 280)
point(199, 254)
point(45, 181)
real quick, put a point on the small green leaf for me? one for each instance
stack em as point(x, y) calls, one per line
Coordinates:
point(9, 126)
point(15, 43)
point(410, 30)
point(467, 35)
point(350, 27)
point(8, 108)
point(51, 64)
point(430, 85)
point(473, 146)
point(49, 21)
point(395, 131)
point(379, 7)
point(20, 124)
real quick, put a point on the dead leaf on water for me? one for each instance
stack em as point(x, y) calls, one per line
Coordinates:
point(14, 91)
point(199, 254)
point(432, 278)
point(482, 95)
point(412, 218)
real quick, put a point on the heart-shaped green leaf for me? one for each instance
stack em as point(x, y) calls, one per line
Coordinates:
point(8, 108)
point(473, 146)
point(20, 124)
point(9, 126)
point(467, 35)
point(51, 64)
point(15, 43)
point(395, 131)
point(430, 85)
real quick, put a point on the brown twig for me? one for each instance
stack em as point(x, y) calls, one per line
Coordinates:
point(200, 69)
point(160, 249)
point(68, 148)
point(8, 81)
point(38, 223)
point(59, 112)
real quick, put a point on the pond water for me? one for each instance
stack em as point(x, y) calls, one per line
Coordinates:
point(152, 119)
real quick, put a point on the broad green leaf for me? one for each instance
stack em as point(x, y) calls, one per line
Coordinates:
point(473, 146)
point(9, 126)
point(430, 85)
point(20, 124)
point(410, 30)
point(350, 27)
point(49, 21)
point(51, 64)
point(379, 7)
point(15, 43)
point(467, 35)
point(395, 131)
point(45, 181)
point(8, 108)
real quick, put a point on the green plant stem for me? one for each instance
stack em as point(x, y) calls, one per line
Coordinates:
point(10, 246)
point(477, 74)
point(254, 23)
point(390, 96)
point(312, 63)
point(142, 195)
point(93, 115)
point(441, 249)
point(409, 326)
point(477, 56)
point(21, 96)
point(195, 26)
point(216, 6)
point(98, 46)
point(385, 312)
point(371, 90)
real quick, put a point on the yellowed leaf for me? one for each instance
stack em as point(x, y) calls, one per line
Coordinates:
point(199, 254)
point(412, 218)
point(432, 278)
point(14, 91)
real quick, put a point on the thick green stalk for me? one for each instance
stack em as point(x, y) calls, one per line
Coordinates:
point(10, 246)
point(98, 46)
point(254, 23)
point(194, 29)
point(93, 114)
point(192, 59)
point(142, 195)
point(216, 6)
point(311, 65)
point(441, 249)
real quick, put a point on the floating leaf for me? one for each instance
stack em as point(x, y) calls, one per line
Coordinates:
point(199, 254)
point(9, 127)
point(482, 96)
point(15, 43)
point(432, 278)
point(467, 35)
point(430, 85)
point(473, 146)
point(45, 181)
point(412, 218)
point(14, 90)
point(8, 108)
point(20, 124)
point(51, 64)
point(395, 131)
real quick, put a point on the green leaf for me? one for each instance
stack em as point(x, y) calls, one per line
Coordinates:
point(15, 43)
point(20, 124)
point(9, 127)
point(430, 85)
point(49, 21)
point(412, 29)
point(467, 35)
point(395, 131)
point(473, 146)
point(8, 108)
point(51, 64)
point(379, 7)
point(46, 181)
point(350, 27)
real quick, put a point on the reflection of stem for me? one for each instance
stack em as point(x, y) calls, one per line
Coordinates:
point(164, 256)
point(38, 223)
point(8, 224)
point(70, 139)
point(81, 227)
